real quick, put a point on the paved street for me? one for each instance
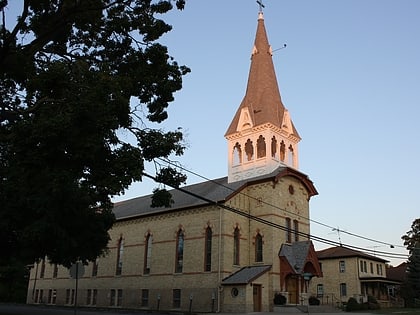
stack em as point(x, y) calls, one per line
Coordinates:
point(10, 309)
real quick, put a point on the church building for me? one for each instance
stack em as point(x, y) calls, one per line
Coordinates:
point(225, 245)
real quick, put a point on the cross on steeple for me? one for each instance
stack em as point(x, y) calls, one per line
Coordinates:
point(260, 4)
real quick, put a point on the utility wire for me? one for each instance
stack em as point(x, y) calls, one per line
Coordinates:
point(285, 210)
point(275, 225)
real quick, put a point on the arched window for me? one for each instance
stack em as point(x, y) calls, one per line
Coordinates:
point(288, 230)
point(120, 251)
point(147, 253)
point(273, 147)
point(296, 229)
point(261, 147)
point(207, 249)
point(249, 150)
point(237, 154)
point(258, 248)
point(236, 237)
point(282, 151)
point(179, 251)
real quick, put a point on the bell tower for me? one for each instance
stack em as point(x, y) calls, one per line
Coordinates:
point(261, 136)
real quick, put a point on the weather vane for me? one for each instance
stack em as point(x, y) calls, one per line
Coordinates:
point(260, 4)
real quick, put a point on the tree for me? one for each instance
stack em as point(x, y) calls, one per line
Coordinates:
point(411, 286)
point(75, 76)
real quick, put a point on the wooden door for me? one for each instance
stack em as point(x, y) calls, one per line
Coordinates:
point(256, 293)
point(292, 288)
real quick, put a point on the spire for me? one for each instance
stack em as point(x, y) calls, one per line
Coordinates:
point(261, 136)
point(262, 99)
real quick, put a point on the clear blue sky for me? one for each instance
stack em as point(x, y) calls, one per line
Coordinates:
point(350, 78)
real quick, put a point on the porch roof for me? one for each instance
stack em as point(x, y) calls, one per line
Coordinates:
point(246, 275)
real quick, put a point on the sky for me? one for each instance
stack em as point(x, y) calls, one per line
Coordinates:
point(349, 76)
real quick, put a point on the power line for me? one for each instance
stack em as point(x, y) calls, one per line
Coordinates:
point(275, 225)
point(338, 230)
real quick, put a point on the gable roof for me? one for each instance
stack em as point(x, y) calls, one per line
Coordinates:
point(344, 252)
point(246, 275)
point(296, 254)
point(218, 191)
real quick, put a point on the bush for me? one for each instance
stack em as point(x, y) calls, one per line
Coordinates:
point(279, 299)
point(314, 301)
point(352, 305)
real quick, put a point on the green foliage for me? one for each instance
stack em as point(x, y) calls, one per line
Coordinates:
point(313, 300)
point(411, 287)
point(279, 299)
point(352, 305)
point(75, 76)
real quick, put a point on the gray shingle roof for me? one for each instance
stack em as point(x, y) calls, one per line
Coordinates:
point(218, 190)
point(246, 275)
point(296, 254)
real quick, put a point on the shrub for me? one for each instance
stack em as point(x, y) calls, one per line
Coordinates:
point(314, 301)
point(352, 305)
point(279, 299)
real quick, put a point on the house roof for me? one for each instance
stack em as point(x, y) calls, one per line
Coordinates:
point(397, 273)
point(344, 252)
point(262, 97)
point(217, 191)
point(246, 275)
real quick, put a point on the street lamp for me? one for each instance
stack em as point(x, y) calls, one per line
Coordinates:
point(307, 276)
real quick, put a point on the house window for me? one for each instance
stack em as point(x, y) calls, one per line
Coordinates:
point(342, 266)
point(112, 298)
point(95, 268)
point(320, 290)
point(147, 254)
point(371, 267)
point(258, 248)
point(365, 266)
point(379, 269)
point(261, 147)
point(70, 296)
point(49, 296)
point(144, 297)
point(42, 272)
point(176, 298)
point(89, 297)
point(296, 229)
point(288, 230)
point(361, 266)
point(55, 271)
point(179, 251)
point(343, 289)
point(119, 297)
point(41, 296)
point(207, 249)
point(120, 251)
point(94, 296)
point(236, 237)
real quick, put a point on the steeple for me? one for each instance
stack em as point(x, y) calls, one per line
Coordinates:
point(261, 136)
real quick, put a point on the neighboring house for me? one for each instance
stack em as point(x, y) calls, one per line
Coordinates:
point(225, 244)
point(350, 273)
